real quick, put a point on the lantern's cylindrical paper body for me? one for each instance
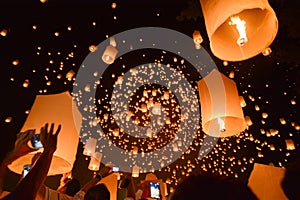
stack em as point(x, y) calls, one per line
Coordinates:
point(222, 114)
point(165, 189)
point(57, 109)
point(290, 144)
point(90, 146)
point(260, 22)
point(135, 171)
point(109, 54)
point(197, 37)
point(95, 161)
point(242, 101)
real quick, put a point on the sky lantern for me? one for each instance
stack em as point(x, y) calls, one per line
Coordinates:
point(95, 161)
point(156, 110)
point(57, 109)
point(267, 51)
point(290, 144)
point(265, 181)
point(242, 101)
point(3, 32)
point(110, 52)
point(197, 39)
point(239, 30)
point(90, 146)
point(222, 114)
point(135, 171)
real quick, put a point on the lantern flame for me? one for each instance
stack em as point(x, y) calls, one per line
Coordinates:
point(221, 124)
point(241, 28)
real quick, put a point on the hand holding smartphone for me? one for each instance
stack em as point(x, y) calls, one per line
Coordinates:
point(36, 142)
point(26, 169)
point(154, 190)
point(115, 169)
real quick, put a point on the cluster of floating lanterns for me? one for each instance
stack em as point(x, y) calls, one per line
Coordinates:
point(223, 158)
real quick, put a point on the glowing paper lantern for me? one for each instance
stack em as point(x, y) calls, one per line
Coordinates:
point(290, 144)
point(111, 182)
point(242, 101)
point(164, 189)
point(92, 48)
point(248, 121)
point(95, 161)
point(239, 30)
point(264, 115)
point(135, 171)
point(3, 32)
point(282, 121)
point(267, 51)
point(272, 147)
point(156, 110)
point(197, 37)
point(26, 83)
point(58, 109)
point(89, 147)
point(109, 54)
point(222, 114)
point(265, 182)
point(70, 75)
point(8, 119)
point(231, 74)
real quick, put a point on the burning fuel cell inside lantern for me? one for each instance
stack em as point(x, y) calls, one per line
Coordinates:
point(221, 124)
point(241, 28)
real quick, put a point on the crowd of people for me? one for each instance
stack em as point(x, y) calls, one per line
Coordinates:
point(200, 186)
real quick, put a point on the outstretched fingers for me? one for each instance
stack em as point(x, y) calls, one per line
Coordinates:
point(58, 130)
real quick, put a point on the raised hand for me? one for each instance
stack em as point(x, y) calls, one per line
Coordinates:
point(49, 138)
point(105, 171)
point(21, 145)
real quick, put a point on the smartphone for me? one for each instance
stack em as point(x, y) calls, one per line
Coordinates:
point(26, 169)
point(154, 190)
point(115, 169)
point(36, 142)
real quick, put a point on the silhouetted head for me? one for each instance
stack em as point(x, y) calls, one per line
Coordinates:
point(290, 182)
point(207, 186)
point(72, 187)
point(98, 192)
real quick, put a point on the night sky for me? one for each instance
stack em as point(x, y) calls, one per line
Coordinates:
point(50, 39)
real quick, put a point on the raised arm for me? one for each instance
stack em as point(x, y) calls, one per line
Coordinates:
point(130, 189)
point(105, 171)
point(29, 186)
point(21, 148)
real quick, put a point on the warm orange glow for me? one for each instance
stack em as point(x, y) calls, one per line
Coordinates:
point(290, 144)
point(265, 182)
point(95, 161)
point(113, 5)
point(267, 51)
point(221, 124)
point(109, 54)
point(242, 102)
point(3, 32)
point(135, 171)
point(90, 147)
point(8, 120)
point(241, 28)
point(70, 75)
point(26, 83)
point(231, 24)
point(197, 37)
point(221, 111)
point(92, 48)
point(60, 109)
